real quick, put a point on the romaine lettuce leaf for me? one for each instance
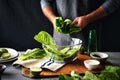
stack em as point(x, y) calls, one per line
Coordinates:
point(44, 38)
point(35, 53)
point(109, 73)
point(90, 76)
point(52, 49)
point(65, 26)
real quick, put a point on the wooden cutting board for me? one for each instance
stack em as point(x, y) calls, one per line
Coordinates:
point(76, 65)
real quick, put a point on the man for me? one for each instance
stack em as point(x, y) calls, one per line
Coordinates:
point(85, 13)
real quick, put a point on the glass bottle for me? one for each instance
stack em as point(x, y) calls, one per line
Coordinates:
point(92, 42)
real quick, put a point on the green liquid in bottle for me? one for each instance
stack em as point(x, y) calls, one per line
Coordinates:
point(92, 42)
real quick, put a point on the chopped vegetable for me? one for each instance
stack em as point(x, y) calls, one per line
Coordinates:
point(65, 26)
point(5, 55)
point(35, 71)
point(3, 50)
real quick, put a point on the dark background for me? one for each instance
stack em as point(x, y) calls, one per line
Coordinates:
point(20, 20)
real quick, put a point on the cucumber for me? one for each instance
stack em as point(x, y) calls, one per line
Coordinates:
point(3, 50)
point(5, 55)
point(35, 71)
point(1, 54)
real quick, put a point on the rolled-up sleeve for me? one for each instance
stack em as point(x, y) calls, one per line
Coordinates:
point(111, 5)
point(45, 3)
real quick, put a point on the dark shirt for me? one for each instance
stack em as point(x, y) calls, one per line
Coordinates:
point(73, 8)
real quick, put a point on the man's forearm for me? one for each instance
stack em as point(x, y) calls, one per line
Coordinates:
point(48, 12)
point(97, 14)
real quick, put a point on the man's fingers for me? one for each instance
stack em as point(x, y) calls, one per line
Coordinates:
point(75, 21)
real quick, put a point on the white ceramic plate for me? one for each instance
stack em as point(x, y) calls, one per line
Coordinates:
point(8, 60)
point(13, 53)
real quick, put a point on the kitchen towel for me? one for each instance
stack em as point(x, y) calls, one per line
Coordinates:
point(45, 62)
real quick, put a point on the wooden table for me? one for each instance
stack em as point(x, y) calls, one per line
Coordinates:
point(12, 73)
point(77, 65)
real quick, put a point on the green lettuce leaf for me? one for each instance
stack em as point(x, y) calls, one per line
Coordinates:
point(64, 77)
point(90, 76)
point(52, 49)
point(110, 73)
point(45, 38)
point(35, 53)
point(65, 26)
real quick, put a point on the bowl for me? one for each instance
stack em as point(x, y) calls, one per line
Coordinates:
point(100, 56)
point(64, 53)
point(2, 68)
point(91, 64)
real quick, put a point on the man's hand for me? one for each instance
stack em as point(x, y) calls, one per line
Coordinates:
point(81, 21)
